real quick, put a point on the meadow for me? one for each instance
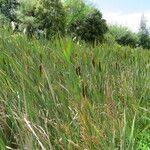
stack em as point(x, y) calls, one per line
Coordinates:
point(60, 95)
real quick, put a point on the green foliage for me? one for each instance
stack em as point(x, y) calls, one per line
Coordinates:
point(123, 36)
point(144, 140)
point(84, 21)
point(3, 20)
point(45, 15)
point(51, 17)
point(109, 39)
point(26, 16)
point(59, 95)
point(7, 8)
point(129, 39)
point(144, 34)
point(145, 41)
point(117, 31)
point(76, 10)
point(93, 27)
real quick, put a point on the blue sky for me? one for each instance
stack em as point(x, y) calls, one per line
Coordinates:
point(124, 12)
point(122, 5)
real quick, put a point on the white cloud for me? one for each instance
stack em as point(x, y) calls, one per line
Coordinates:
point(131, 20)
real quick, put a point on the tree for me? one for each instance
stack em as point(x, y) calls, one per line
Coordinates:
point(124, 36)
point(91, 28)
point(144, 34)
point(84, 21)
point(118, 31)
point(47, 16)
point(8, 7)
point(26, 16)
point(76, 10)
point(129, 39)
point(3, 20)
point(51, 17)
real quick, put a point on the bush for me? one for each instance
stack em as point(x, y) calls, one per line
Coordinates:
point(7, 8)
point(42, 15)
point(123, 36)
point(84, 21)
point(26, 16)
point(145, 41)
point(128, 39)
point(144, 34)
point(90, 29)
point(3, 20)
point(94, 27)
point(117, 31)
point(51, 17)
point(76, 10)
point(109, 39)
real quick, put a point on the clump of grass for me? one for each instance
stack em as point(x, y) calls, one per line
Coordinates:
point(59, 95)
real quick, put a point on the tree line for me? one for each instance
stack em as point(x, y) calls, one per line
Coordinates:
point(48, 18)
point(125, 37)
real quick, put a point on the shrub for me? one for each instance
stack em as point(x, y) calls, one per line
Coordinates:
point(84, 21)
point(3, 20)
point(145, 41)
point(91, 28)
point(43, 15)
point(7, 8)
point(51, 17)
point(128, 39)
point(26, 16)
point(123, 36)
point(117, 31)
point(76, 10)
point(144, 34)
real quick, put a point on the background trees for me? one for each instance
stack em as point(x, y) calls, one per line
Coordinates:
point(123, 36)
point(7, 8)
point(50, 17)
point(26, 16)
point(144, 34)
point(129, 39)
point(84, 21)
point(7, 12)
point(93, 27)
point(47, 16)
point(76, 10)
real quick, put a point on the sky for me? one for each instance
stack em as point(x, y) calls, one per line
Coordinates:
point(124, 12)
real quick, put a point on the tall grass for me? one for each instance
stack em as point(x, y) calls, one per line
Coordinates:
point(60, 95)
